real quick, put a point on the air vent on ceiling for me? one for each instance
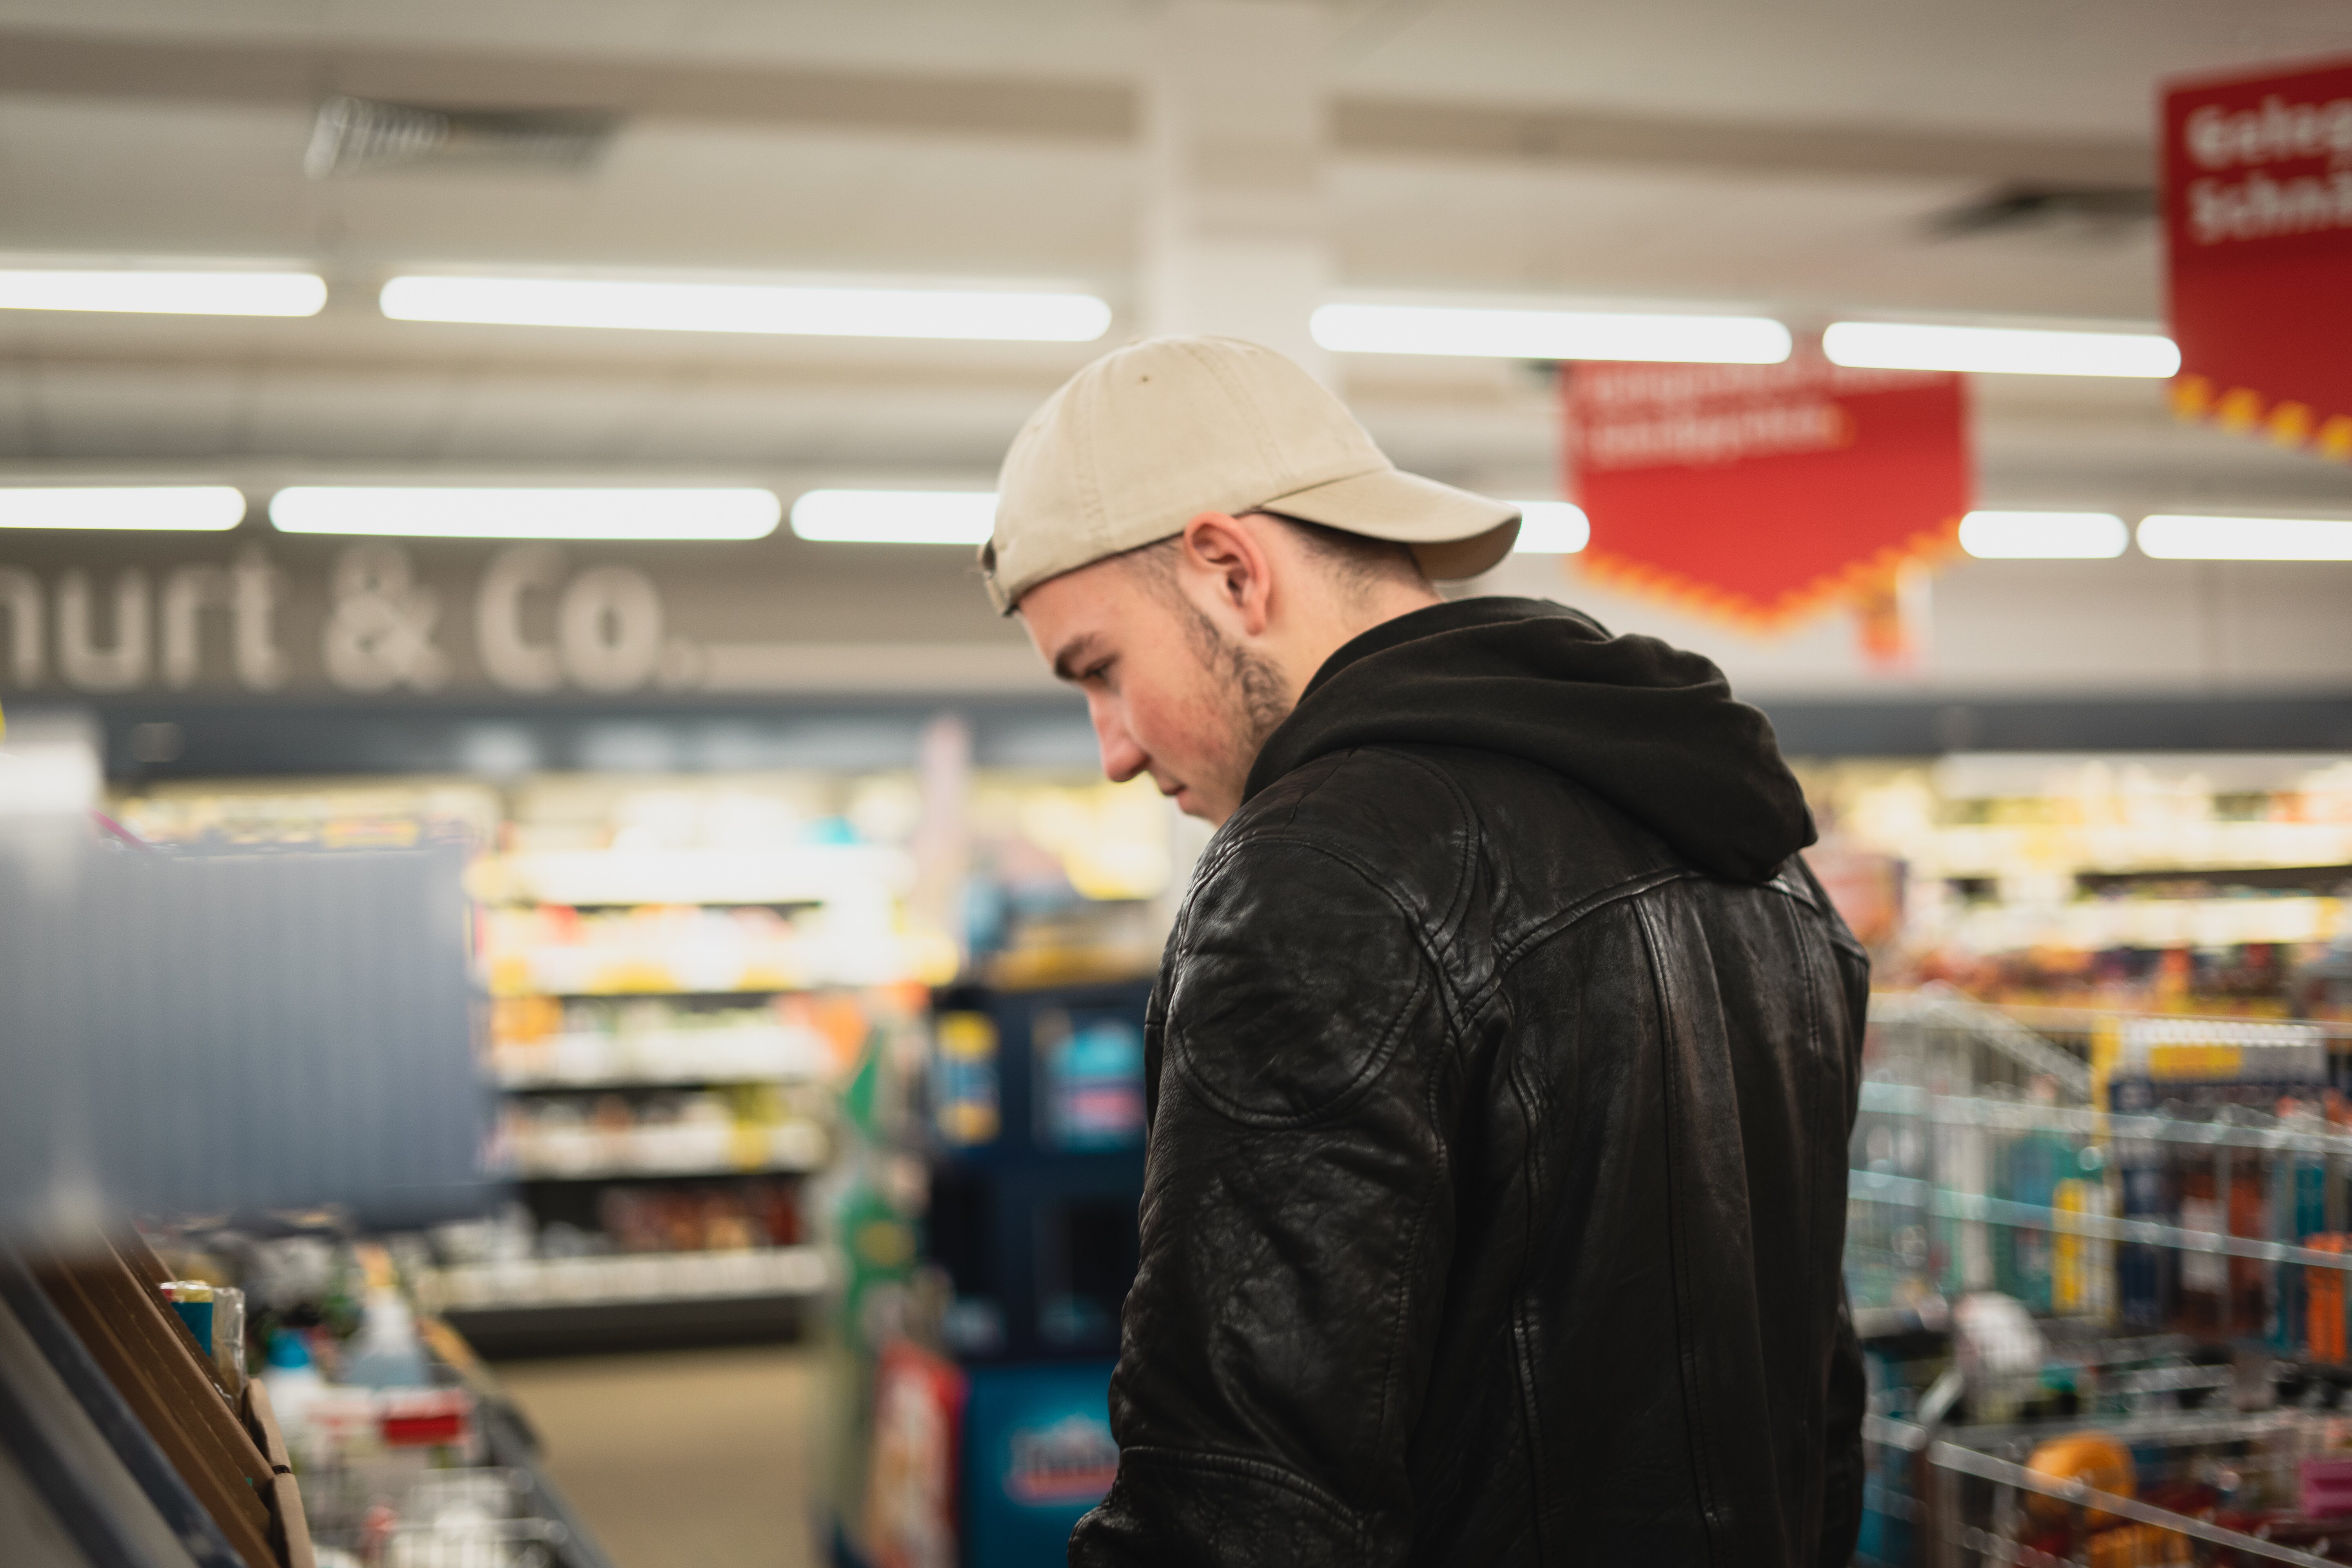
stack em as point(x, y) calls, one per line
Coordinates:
point(359, 135)
point(2023, 207)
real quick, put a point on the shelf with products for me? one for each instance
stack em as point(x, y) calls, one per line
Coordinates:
point(559, 950)
point(552, 1043)
point(2135, 1249)
point(682, 975)
point(2215, 884)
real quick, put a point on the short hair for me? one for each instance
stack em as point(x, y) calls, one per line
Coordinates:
point(1362, 559)
point(1359, 561)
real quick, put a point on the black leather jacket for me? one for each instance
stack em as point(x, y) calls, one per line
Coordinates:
point(1496, 1171)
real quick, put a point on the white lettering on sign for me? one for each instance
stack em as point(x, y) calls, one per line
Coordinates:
point(2276, 132)
point(379, 631)
point(1619, 386)
point(188, 592)
point(255, 588)
point(507, 657)
point(2260, 207)
point(119, 668)
point(1717, 438)
point(20, 596)
point(610, 629)
point(537, 626)
point(1649, 415)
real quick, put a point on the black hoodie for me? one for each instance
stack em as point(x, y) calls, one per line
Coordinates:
point(1650, 729)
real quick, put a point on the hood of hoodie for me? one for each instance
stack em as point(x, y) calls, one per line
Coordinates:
point(1650, 729)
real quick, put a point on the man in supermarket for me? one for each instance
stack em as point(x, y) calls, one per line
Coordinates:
point(1502, 1060)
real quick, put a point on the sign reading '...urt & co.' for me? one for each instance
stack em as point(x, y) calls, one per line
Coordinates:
point(260, 615)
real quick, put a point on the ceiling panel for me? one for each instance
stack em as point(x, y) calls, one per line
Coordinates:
point(104, 174)
point(1776, 241)
point(1996, 66)
point(391, 414)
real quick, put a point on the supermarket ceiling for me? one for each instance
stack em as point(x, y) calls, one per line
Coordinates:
point(1979, 161)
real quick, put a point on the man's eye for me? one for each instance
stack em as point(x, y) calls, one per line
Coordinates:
point(1096, 671)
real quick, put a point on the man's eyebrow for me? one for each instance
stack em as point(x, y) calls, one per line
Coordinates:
point(1077, 652)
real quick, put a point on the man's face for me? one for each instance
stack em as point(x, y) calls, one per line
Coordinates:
point(1170, 695)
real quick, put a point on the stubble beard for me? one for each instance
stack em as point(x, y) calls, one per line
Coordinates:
point(1249, 688)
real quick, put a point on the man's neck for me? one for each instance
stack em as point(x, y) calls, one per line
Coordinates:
point(1379, 604)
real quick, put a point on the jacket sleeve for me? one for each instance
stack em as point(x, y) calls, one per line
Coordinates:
point(1297, 1228)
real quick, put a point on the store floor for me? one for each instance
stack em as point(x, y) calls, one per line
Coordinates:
point(682, 1458)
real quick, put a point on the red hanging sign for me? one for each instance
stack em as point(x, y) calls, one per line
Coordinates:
point(2258, 225)
point(1761, 492)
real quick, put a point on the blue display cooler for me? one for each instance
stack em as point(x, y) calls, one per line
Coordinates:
point(1035, 1122)
point(1037, 1452)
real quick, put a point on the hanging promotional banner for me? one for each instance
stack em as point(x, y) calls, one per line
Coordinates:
point(1759, 494)
point(2258, 225)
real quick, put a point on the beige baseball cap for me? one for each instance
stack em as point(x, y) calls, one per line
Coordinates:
point(1150, 436)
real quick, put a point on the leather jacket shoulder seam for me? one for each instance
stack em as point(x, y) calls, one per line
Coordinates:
point(1332, 765)
point(1375, 1061)
point(1257, 1470)
point(1815, 897)
point(1472, 841)
point(1180, 1059)
point(1687, 1350)
point(1467, 813)
point(1632, 887)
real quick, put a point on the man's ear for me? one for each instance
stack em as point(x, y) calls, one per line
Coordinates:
point(1222, 551)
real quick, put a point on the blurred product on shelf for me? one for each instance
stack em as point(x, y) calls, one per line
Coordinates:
point(546, 1042)
point(704, 1132)
point(554, 949)
point(377, 814)
point(2178, 884)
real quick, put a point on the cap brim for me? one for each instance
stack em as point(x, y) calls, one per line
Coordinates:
point(1453, 533)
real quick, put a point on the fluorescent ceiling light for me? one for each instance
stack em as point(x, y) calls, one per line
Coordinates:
point(2004, 351)
point(896, 517)
point(967, 518)
point(165, 293)
point(194, 509)
point(2043, 535)
point(1551, 528)
point(433, 511)
point(1550, 334)
point(2175, 538)
point(750, 308)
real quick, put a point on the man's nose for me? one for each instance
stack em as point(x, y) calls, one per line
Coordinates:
point(1122, 758)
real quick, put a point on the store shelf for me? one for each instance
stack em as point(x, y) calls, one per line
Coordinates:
point(2309, 879)
point(2183, 850)
point(558, 950)
point(644, 1300)
point(667, 1173)
point(604, 878)
point(2096, 924)
point(752, 985)
point(549, 1083)
point(659, 1057)
point(643, 1279)
point(578, 1152)
point(1909, 1193)
point(609, 1328)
